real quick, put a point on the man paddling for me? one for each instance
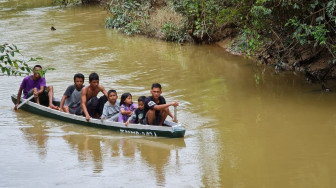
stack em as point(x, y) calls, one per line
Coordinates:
point(36, 85)
point(90, 104)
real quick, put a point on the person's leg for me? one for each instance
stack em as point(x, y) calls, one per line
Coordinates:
point(50, 90)
point(163, 115)
point(150, 117)
point(91, 106)
point(78, 110)
point(37, 99)
point(115, 117)
point(101, 102)
point(66, 109)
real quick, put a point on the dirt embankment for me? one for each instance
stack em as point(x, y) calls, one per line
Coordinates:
point(316, 63)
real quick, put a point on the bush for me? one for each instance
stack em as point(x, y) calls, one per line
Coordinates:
point(129, 16)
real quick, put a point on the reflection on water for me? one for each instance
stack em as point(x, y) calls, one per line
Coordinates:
point(88, 149)
point(93, 145)
point(35, 131)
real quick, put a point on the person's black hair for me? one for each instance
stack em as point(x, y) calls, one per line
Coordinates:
point(142, 98)
point(37, 66)
point(124, 97)
point(156, 85)
point(93, 76)
point(79, 75)
point(111, 91)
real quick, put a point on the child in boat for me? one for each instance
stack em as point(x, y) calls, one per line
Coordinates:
point(127, 107)
point(111, 107)
point(139, 113)
point(70, 102)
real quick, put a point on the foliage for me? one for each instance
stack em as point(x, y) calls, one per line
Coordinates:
point(286, 24)
point(173, 32)
point(201, 17)
point(315, 24)
point(10, 64)
point(129, 16)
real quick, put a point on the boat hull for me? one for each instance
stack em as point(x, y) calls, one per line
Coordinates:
point(172, 130)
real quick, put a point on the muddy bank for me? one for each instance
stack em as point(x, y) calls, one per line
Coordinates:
point(315, 63)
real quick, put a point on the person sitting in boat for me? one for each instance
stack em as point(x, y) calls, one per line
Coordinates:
point(138, 115)
point(90, 104)
point(70, 102)
point(36, 85)
point(127, 107)
point(111, 107)
point(156, 108)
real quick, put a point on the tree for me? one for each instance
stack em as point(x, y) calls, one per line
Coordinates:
point(12, 61)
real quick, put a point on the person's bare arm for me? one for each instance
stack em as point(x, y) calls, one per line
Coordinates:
point(162, 106)
point(18, 98)
point(62, 102)
point(126, 112)
point(83, 104)
point(102, 89)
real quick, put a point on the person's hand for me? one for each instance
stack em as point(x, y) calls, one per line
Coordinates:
point(35, 92)
point(127, 122)
point(87, 117)
point(174, 104)
point(15, 107)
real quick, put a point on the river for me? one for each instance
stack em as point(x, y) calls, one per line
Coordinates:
point(246, 127)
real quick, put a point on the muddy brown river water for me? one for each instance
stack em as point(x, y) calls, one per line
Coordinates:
point(244, 128)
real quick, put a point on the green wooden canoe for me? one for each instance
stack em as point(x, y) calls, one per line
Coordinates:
point(171, 129)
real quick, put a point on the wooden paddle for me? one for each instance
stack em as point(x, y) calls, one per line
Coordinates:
point(24, 101)
point(175, 114)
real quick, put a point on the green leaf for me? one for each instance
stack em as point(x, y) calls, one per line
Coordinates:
point(9, 60)
point(16, 64)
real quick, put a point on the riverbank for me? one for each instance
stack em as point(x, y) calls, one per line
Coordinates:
point(261, 30)
point(312, 62)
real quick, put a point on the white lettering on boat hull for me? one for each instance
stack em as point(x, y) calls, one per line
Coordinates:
point(145, 133)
